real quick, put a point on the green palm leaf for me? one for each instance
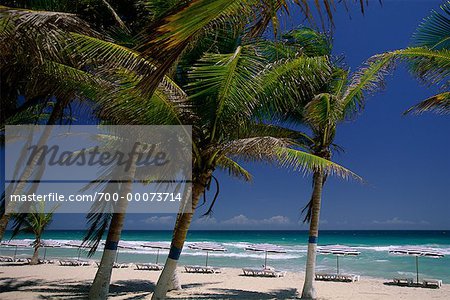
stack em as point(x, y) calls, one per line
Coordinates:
point(287, 85)
point(306, 162)
point(233, 168)
point(368, 79)
point(434, 32)
point(439, 103)
point(224, 82)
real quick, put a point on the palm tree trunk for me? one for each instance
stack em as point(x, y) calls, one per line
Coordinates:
point(168, 278)
point(309, 291)
point(100, 287)
point(29, 169)
point(35, 257)
point(4, 220)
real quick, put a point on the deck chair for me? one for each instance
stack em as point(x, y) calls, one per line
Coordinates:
point(201, 269)
point(149, 267)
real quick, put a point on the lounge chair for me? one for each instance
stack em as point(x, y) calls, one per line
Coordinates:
point(149, 267)
point(201, 269)
point(337, 277)
point(264, 272)
point(74, 262)
point(120, 265)
point(116, 265)
point(22, 259)
point(403, 281)
point(6, 259)
point(432, 283)
point(348, 277)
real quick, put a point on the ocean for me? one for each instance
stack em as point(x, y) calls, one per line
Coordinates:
point(374, 260)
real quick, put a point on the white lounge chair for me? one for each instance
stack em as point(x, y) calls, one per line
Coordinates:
point(120, 265)
point(74, 262)
point(6, 259)
point(116, 265)
point(22, 259)
point(149, 267)
point(403, 281)
point(264, 272)
point(337, 277)
point(348, 277)
point(201, 269)
point(433, 283)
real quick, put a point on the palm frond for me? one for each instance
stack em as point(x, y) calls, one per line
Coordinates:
point(287, 85)
point(434, 31)
point(439, 103)
point(171, 35)
point(38, 32)
point(323, 110)
point(432, 66)
point(251, 130)
point(368, 79)
point(312, 42)
point(224, 82)
point(306, 162)
point(233, 168)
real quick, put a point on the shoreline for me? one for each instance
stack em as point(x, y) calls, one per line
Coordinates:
point(18, 281)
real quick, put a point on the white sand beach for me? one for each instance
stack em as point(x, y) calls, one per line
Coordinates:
point(57, 282)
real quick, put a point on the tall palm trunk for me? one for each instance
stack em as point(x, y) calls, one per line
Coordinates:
point(100, 287)
point(29, 169)
point(35, 257)
point(168, 275)
point(4, 220)
point(309, 291)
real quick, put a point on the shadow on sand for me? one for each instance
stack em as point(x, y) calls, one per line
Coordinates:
point(243, 294)
point(129, 289)
point(134, 289)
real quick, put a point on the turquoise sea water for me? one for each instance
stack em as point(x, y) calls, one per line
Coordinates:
point(374, 261)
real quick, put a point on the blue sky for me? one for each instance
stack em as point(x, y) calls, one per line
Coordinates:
point(403, 159)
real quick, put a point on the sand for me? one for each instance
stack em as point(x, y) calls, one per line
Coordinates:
point(57, 282)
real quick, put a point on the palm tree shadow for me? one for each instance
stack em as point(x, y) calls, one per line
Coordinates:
point(243, 294)
point(66, 289)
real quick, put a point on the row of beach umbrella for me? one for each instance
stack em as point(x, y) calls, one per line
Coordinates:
point(336, 250)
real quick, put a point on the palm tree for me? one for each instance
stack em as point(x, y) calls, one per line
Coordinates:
point(179, 27)
point(35, 222)
point(340, 98)
point(34, 61)
point(223, 91)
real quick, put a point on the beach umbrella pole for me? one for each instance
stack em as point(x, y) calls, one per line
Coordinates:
point(45, 252)
point(207, 253)
point(15, 253)
point(337, 263)
point(265, 260)
point(417, 269)
point(157, 256)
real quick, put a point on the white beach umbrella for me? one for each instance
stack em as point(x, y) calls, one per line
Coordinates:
point(206, 246)
point(16, 244)
point(266, 248)
point(49, 244)
point(337, 250)
point(158, 246)
point(417, 252)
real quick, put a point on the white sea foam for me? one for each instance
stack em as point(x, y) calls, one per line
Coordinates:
point(292, 251)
